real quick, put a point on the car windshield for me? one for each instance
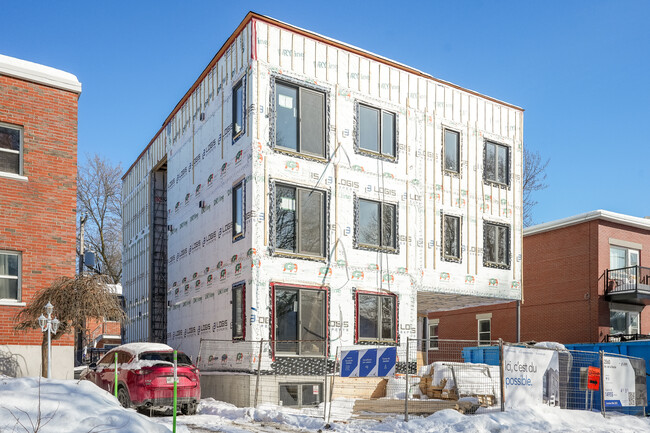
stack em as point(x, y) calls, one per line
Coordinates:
point(182, 358)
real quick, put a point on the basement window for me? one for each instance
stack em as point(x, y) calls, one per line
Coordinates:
point(301, 394)
point(11, 149)
point(376, 317)
point(300, 120)
point(10, 265)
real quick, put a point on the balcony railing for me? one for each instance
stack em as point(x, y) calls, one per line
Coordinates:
point(631, 284)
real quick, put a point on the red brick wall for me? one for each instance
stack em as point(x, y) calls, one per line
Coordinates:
point(563, 281)
point(37, 217)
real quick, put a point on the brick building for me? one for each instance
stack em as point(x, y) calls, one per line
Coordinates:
point(38, 169)
point(584, 282)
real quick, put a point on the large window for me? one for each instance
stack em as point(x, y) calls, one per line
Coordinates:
point(496, 245)
point(451, 235)
point(496, 167)
point(620, 257)
point(376, 317)
point(10, 275)
point(238, 110)
point(238, 314)
point(376, 131)
point(300, 320)
point(452, 151)
point(377, 225)
point(624, 322)
point(11, 148)
point(300, 220)
point(300, 119)
point(238, 211)
point(484, 331)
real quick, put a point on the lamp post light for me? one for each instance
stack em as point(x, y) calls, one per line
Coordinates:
point(50, 326)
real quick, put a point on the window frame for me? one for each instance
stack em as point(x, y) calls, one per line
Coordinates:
point(448, 257)
point(300, 89)
point(379, 339)
point(300, 392)
point(496, 181)
point(455, 172)
point(275, 287)
point(17, 277)
point(628, 253)
point(240, 286)
point(241, 234)
point(628, 312)
point(21, 150)
point(380, 133)
point(357, 227)
point(498, 226)
point(433, 323)
point(480, 341)
point(297, 218)
point(239, 84)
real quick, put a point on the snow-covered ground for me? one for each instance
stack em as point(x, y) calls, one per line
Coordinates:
point(69, 406)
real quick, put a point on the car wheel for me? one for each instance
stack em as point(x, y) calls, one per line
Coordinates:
point(123, 397)
point(189, 409)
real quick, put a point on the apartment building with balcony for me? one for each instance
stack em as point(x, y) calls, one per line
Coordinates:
point(316, 195)
point(38, 200)
point(586, 280)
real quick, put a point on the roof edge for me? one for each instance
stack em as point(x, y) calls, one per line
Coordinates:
point(37, 73)
point(628, 220)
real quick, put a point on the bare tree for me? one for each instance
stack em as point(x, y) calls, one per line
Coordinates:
point(534, 180)
point(75, 299)
point(99, 196)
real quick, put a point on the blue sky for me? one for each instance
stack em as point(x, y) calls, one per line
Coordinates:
point(580, 69)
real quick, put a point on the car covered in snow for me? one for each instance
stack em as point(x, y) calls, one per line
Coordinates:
point(145, 376)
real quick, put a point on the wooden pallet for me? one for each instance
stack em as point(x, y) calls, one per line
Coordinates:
point(416, 407)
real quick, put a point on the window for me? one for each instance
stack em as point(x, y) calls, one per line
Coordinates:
point(620, 257)
point(496, 245)
point(377, 225)
point(238, 110)
point(10, 275)
point(624, 322)
point(451, 237)
point(238, 315)
point(301, 394)
point(300, 221)
point(484, 332)
point(451, 150)
point(238, 211)
point(433, 334)
point(376, 131)
point(11, 149)
point(300, 320)
point(300, 120)
point(376, 317)
point(497, 163)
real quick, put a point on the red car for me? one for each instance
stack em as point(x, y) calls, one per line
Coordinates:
point(145, 376)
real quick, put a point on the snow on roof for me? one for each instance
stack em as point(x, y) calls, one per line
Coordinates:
point(37, 73)
point(137, 348)
point(628, 220)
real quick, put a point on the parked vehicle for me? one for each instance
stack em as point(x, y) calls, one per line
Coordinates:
point(145, 376)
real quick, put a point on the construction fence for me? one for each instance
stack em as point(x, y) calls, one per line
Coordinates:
point(336, 383)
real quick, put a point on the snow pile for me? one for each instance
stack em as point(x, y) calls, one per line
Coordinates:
point(66, 406)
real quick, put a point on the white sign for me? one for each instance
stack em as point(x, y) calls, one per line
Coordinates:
point(618, 382)
point(531, 376)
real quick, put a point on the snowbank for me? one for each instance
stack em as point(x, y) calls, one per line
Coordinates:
point(66, 406)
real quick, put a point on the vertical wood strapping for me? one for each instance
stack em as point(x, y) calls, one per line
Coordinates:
point(478, 176)
point(426, 186)
point(435, 200)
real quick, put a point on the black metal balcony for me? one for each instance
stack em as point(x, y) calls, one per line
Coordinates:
point(629, 285)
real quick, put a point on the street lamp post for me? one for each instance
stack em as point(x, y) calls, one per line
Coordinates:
point(50, 326)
